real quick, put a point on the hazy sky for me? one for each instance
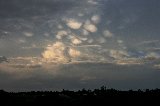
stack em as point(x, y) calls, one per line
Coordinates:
point(74, 44)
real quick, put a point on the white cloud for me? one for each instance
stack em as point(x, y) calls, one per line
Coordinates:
point(120, 41)
point(74, 53)
point(90, 27)
point(61, 34)
point(107, 34)
point(21, 41)
point(28, 34)
point(55, 52)
point(76, 41)
point(73, 24)
point(95, 19)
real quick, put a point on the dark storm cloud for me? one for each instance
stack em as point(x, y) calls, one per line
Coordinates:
point(27, 8)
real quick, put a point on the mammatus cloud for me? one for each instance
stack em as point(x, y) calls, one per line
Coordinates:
point(95, 19)
point(90, 27)
point(107, 34)
point(73, 24)
point(76, 41)
point(61, 34)
point(55, 52)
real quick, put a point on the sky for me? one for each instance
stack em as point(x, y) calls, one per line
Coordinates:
point(75, 44)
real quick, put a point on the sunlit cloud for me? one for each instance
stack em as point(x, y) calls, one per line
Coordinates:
point(74, 53)
point(90, 27)
point(55, 51)
point(76, 41)
point(73, 24)
point(61, 34)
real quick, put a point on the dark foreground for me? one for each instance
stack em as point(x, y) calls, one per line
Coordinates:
point(83, 97)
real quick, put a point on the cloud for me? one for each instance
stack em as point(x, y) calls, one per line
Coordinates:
point(76, 41)
point(73, 24)
point(21, 41)
point(90, 41)
point(107, 34)
point(152, 55)
point(95, 19)
point(90, 27)
point(55, 52)
point(3, 59)
point(120, 41)
point(101, 40)
point(61, 34)
point(28, 34)
point(118, 54)
point(85, 32)
point(74, 53)
point(93, 2)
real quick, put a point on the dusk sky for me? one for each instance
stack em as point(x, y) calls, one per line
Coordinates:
point(75, 44)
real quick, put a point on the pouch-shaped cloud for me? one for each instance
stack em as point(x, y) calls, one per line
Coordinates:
point(95, 19)
point(73, 24)
point(59, 52)
point(107, 34)
point(76, 41)
point(85, 32)
point(61, 34)
point(101, 40)
point(90, 27)
point(56, 51)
